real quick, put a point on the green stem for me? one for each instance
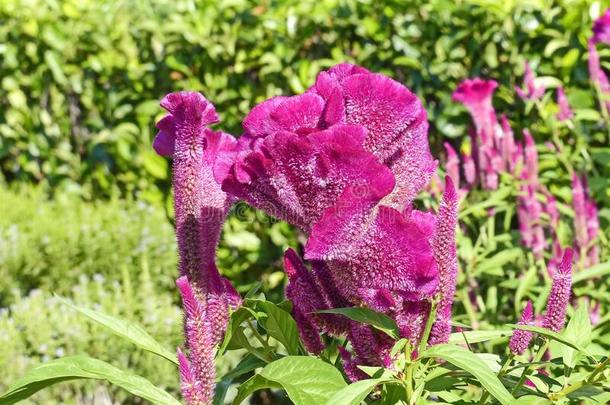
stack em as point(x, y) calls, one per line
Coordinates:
point(555, 396)
point(423, 343)
point(409, 382)
point(526, 372)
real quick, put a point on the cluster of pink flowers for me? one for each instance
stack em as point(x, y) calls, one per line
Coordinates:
point(343, 162)
point(557, 304)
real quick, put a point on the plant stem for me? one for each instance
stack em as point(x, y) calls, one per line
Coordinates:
point(409, 382)
point(555, 396)
point(537, 358)
point(423, 343)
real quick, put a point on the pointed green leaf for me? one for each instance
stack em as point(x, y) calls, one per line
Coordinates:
point(379, 321)
point(306, 380)
point(578, 330)
point(468, 361)
point(478, 336)
point(280, 325)
point(355, 393)
point(79, 367)
point(125, 329)
point(552, 335)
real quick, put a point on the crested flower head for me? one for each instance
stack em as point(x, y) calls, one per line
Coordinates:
point(521, 339)
point(559, 298)
point(201, 158)
point(565, 112)
point(348, 115)
point(530, 90)
point(601, 29)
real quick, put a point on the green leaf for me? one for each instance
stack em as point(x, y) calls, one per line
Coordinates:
point(551, 335)
point(254, 383)
point(279, 324)
point(477, 336)
point(306, 380)
point(125, 329)
point(578, 330)
point(600, 270)
point(379, 321)
point(355, 393)
point(235, 320)
point(468, 361)
point(79, 367)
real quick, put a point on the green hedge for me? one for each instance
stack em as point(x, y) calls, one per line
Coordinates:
point(81, 79)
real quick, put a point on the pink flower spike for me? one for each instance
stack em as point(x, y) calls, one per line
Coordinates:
point(469, 169)
point(601, 29)
point(565, 112)
point(531, 158)
point(559, 298)
point(597, 75)
point(198, 375)
point(445, 253)
point(531, 90)
point(453, 164)
point(521, 339)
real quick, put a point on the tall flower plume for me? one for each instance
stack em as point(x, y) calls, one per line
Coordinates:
point(201, 159)
point(521, 339)
point(559, 298)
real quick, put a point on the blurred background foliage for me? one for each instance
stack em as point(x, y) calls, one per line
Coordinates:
point(84, 199)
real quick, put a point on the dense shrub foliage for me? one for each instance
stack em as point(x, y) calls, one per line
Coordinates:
point(81, 79)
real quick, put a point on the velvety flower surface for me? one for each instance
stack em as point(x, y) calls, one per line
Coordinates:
point(521, 339)
point(390, 117)
point(296, 177)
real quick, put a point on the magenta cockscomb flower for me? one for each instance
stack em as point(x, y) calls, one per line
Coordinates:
point(386, 121)
point(565, 112)
point(521, 339)
point(201, 159)
point(531, 159)
point(344, 162)
point(531, 90)
point(601, 29)
point(559, 298)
